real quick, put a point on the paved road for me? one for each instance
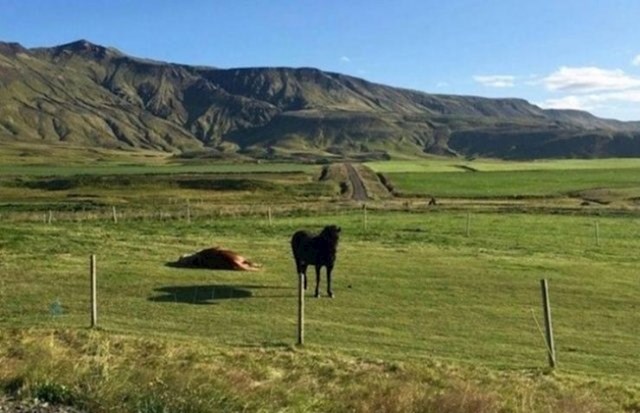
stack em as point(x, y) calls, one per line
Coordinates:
point(359, 192)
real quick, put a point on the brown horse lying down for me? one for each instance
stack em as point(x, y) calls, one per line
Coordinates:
point(216, 258)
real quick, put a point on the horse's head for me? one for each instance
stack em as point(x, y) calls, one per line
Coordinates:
point(332, 233)
point(187, 260)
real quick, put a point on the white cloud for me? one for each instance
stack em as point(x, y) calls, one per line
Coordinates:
point(593, 101)
point(442, 84)
point(605, 92)
point(636, 61)
point(567, 102)
point(495, 80)
point(588, 80)
point(345, 59)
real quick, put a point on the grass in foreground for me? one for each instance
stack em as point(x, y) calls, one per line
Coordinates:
point(103, 372)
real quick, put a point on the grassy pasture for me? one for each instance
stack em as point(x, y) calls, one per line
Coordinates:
point(412, 286)
point(604, 181)
point(502, 184)
point(425, 317)
point(80, 197)
point(489, 165)
point(146, 169)
point(20, 160)
point(52, 155)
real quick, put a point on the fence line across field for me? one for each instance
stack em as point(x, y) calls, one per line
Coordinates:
point(185, 212)
point(300, 310)
point(190, 212)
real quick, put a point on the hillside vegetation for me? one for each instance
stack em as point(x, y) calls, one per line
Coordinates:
point(86, 94)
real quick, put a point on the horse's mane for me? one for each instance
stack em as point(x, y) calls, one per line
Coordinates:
point(331, 233)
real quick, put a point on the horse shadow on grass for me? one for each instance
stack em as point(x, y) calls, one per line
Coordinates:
point(208, 294)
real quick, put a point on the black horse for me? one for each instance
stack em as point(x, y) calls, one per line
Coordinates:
point(319, 250)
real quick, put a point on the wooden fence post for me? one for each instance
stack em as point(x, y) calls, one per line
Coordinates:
point(115, 214)
point(269, 216)
point(50, 217)
point(597, 227)
point(551, 349)
point(364, 216)
point(300, 309)
point(188, 211)
point(94, 304)
point(468, 229)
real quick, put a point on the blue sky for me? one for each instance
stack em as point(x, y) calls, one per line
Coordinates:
point(581, 54)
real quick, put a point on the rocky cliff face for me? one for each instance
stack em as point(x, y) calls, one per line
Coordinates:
point(93, 95)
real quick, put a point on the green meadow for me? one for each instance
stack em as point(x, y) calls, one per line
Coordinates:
point(488, 165)
point(436, 309)
point(602, 181)
point(409, 286)
point(500, 184)
point(142, 169)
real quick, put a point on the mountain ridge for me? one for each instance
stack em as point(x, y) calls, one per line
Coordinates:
point(92, 95)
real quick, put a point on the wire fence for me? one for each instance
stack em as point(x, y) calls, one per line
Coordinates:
point(406, 301)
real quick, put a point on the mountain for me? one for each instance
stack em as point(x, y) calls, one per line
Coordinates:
point(87, 94)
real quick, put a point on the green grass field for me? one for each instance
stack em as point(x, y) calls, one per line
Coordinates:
point(426, 317)
point(515, 183)
point(485, 165)
point(411, 286)
point(145, 169)
point(603, 181)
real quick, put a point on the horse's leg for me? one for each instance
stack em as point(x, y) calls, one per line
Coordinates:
point(329, 290)
point(318, 280)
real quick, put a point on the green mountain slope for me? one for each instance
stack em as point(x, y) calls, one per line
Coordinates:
point(92, 95)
